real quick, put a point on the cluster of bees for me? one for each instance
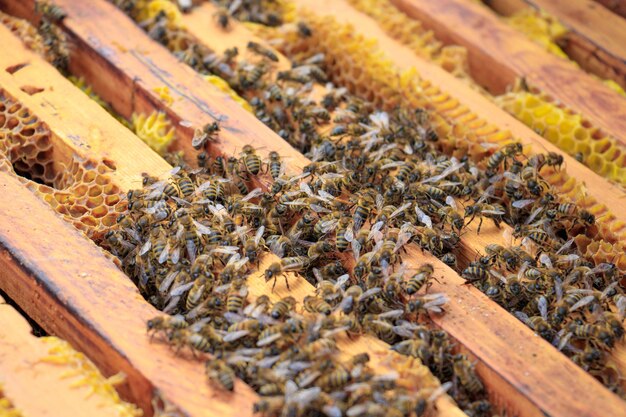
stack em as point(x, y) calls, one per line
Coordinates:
point(378, 181)
point(191, 241)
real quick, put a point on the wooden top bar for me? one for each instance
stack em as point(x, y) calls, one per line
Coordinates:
point(499, 54)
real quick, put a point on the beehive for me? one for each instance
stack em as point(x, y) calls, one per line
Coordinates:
point(148, 79)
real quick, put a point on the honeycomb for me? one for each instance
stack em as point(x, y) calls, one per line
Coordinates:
point(79, 190)
point(570, 132)
point(84, 373)
point(155, 130)
point(540, 27)
point(461, 132)
point(224, 87)
point(412, 33)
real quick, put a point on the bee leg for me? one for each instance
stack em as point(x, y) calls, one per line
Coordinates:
point(274, 285)
point(480, 223)
point(287, 283)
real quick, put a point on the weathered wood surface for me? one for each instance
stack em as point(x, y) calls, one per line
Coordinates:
point(498, 55)
point(27, 372)
point(596, 38)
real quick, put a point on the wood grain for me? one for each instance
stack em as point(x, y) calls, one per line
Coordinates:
point(499, 54)
point(616, 6)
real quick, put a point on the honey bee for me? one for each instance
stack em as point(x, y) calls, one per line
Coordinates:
point(50, 11)
point(283, 307)
point(500, 253)
point(465, 374)
point(501, 155)
point(292, 264)
point(262, 51)
point(316, 305)
point(419, 279)
point(251, 161)
point(220, 373)
point(207, 134)
point(167, 323)
point(491, 211)
point(252, 246)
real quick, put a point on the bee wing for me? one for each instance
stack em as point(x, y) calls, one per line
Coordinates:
point(268, 361)
point(439, 391)
point(241, 263)
point(269, 339)
point(523, 317)
point(175, 255)
point(522, 203)
point(236, 335)
point(403, 239)
point(582, 302)
point(181, 201)
point(349, 235)
point(145, 248)
point(369, 293)
point(533, 215)
point(342, 280)
point(494, 212)
point(542, 305)
point(252, 194)
point(451, 202)
point(309, 378)
point(563, 341)
point(565, 246)
point(226, 250)
point(392, 314)
point(277, 249)
point(498, 275)
point(621, 307)
point(356, 249)
point(328, 225)
point(168, 281)
point(318, 275)
point(199, 136)
point(325, 196)
point(304, 397)
point(545, 261)
point(191, 250)
point(319, 209)
point(307, 189)
point(558, 289)
point(609, 289)
point(394, 164)
point(423, 218)
point(164, 253)
point(358, 410)
point(436, 302)
point(399, 210)
point(259, 235)
point(202, 229)
point(180, 289)
point(233, 317)
point(380, 202)
point(222, 288)
point(452, 168)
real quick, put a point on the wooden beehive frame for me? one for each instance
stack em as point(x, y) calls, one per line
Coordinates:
point(113, 332)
